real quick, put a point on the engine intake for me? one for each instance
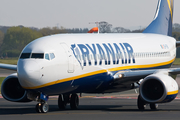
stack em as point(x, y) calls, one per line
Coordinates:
point(11, 90)
point(158, 88)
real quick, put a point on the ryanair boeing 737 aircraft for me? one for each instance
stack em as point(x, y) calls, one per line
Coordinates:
point(67, 64)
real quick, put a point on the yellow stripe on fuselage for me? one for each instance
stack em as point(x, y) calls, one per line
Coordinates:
point(170, 3)
point(173, 92)
point(141, 66)
point(99, 72)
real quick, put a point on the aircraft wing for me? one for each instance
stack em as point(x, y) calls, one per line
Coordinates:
point(174, 71)
point(8, 67)
point(136, 75)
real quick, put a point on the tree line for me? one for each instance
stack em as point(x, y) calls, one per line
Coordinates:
point(14, 39)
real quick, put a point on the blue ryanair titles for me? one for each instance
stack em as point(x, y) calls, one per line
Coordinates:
point(88, 54)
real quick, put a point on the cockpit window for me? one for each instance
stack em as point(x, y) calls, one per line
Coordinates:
point(52, 56)
point(37, 55)
point(25, 55)
point(47, 56)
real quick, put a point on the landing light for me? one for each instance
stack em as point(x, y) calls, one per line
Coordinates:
point(120, 75)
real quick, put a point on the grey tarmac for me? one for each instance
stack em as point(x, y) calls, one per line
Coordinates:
point(90, 109)
point(5, 73)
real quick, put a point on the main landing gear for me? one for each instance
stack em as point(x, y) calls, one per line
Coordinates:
point(142, 104)
point(64, 99)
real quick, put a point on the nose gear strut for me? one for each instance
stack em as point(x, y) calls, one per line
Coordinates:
point(42, 106)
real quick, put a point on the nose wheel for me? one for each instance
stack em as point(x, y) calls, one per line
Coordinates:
point(38, 108)
point(42, 107)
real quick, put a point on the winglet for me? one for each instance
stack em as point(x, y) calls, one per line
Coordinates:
point(162, 23)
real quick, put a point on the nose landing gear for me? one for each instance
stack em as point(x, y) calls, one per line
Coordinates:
point(42, 106)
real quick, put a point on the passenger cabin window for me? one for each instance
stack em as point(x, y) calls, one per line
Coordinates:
point(37, 55)
point(25, 55)
point(47, 56)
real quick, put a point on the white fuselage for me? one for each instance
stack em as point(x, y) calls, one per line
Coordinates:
point(75, 57)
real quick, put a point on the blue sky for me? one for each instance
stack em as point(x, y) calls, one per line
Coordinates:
point(78, 13)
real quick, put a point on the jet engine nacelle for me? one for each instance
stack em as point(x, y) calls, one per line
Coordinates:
point(158, 88)
point(11, 90)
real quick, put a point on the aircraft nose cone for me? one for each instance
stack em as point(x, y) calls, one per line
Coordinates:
point(28, 73)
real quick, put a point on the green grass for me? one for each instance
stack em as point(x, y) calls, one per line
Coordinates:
point(9, 61)
point(1, 80)
point(177, 61)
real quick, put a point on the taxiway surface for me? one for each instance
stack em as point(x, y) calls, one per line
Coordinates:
point(90, 109)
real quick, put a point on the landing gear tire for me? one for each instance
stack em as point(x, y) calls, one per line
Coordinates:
point(38, 108)
point(141, 104)
point(44, 107)
point(74, 101)
point(62, 101)
point(153, 106)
